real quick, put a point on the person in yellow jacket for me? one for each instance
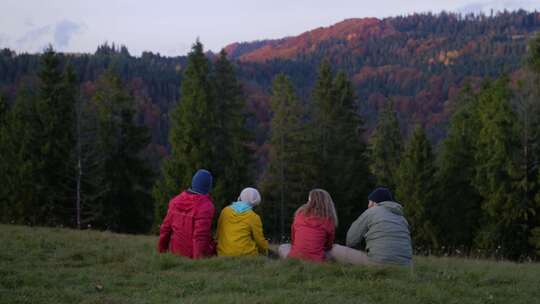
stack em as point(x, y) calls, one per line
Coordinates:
point(240, 230)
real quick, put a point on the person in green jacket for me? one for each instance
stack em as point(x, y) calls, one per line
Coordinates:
point(385, 232)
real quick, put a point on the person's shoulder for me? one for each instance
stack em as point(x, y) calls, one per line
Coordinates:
point(206, 199)
point(205, 205)
point(372, 210)
point(300, 213)
point(226, 210)
point(254, 215)
point(176, 198)
point(369, 213)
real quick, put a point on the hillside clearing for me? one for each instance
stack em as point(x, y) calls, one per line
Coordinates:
point(47, 265)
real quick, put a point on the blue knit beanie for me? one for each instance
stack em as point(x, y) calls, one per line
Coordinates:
point(201, 182)
point(380, 195)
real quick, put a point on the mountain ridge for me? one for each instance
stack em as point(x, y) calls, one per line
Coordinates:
point(287, 47)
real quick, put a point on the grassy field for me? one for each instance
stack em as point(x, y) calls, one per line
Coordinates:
point(43, 265)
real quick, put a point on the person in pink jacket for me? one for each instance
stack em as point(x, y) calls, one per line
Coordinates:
point(313, 229)
point(187, 227)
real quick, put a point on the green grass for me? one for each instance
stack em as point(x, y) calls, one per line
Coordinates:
point(47, 265)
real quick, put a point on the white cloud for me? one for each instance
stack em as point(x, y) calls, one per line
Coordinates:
point(64, 31)
point(59, 35)
point(35, 39)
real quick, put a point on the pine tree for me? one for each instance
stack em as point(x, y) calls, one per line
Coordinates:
point(416, 189)
point(336, 144)
point(19, 162)
point(3, 110)
point(230, 145)
point(193, 127)
point(56, 141)
point(349, 187)
point(283, 183)
point(4, 202)
point(497, 146)
point(530, 117)
point(120, 199)
point(458, 207)
point(323, 117)
point(386, 147)
point(41, 141)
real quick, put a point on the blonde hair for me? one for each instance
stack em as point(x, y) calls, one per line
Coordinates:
point(320, 204)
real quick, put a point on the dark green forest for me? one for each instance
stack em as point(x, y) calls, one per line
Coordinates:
point(443, 109)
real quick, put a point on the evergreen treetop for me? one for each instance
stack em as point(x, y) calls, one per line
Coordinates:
point(386, 147)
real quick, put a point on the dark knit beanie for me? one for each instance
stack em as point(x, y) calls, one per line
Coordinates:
point(380, 195)
point(201, 182)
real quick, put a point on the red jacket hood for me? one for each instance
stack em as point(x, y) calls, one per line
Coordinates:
point(187, 201)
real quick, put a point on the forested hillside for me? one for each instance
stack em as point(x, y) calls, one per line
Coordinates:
point(420, 61)
point(443, 109)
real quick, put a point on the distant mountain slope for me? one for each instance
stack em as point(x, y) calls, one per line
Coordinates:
point(420, 61)
point(349, 30)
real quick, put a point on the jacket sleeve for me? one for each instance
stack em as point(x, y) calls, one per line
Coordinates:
point(202, 233)
point(358, 230)
point(258, 235)
point(331, 236)
point(165, 231)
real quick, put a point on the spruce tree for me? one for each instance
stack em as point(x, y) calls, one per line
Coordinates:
point(504, 211)
point(283, 183)
point(416, 189)
point(120, 199)
point(41, 140)
point(323, 116)
point(4, 202)
point(193, 127)
point(350, 178)
point(336, 146)
point(3, 110)
point(458, 206)
point(19, 162)
point(56, 115)
point(233, 163)
point(386, 147)
point(530, 117)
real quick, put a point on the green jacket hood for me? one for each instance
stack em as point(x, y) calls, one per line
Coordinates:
point(392, 206)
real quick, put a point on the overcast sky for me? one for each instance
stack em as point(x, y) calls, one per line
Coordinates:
point(171, 26)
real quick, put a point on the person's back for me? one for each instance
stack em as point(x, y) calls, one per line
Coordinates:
point(186, 229)
point(384, 229)
point(388, 239)
point(313, 229)
point(311, 237)
point(236, 235)
point(239, 229)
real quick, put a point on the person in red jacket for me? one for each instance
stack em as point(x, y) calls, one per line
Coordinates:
point(187, 227)
point(313, 229)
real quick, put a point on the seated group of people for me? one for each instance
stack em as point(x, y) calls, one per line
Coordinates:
point(187, 228)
